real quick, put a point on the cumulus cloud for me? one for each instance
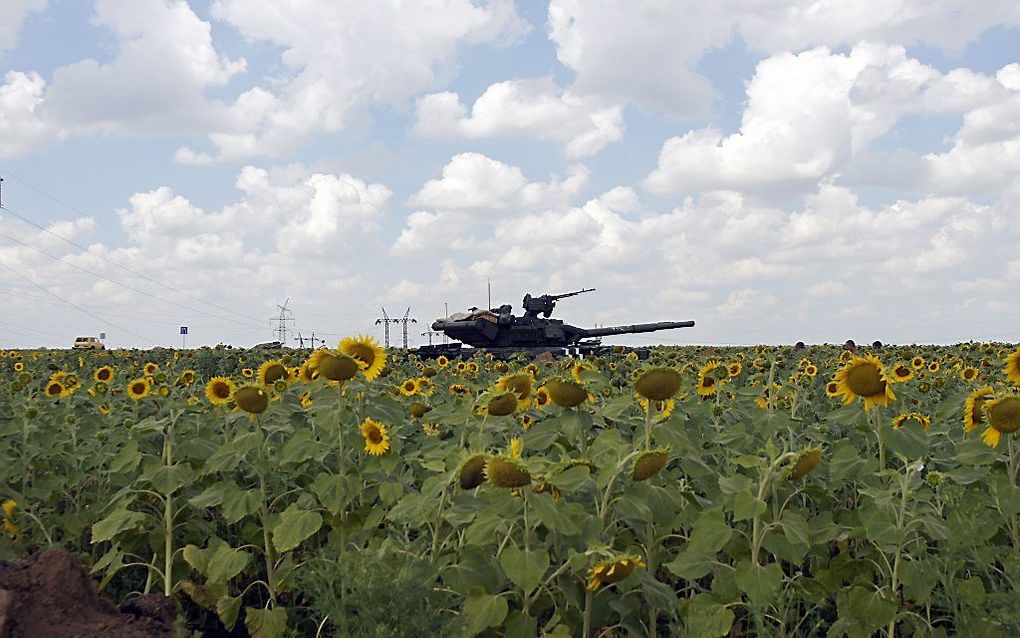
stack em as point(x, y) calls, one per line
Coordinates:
point(472, 181)
point(654, 60)
point(816, 114)
point(533, 108)
point(341, 57)
point(21, 127)
point(15, 14)
point(156, 81)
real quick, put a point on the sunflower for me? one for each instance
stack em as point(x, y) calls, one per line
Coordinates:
point(658, 384)
point(502, 471)
point(649, 464)
point(974, 408)
point(461, 367)
point(442, 361)
point(578, 369)
point(811, 370)
point(915, 417)
point(306, 373)
point(501, 404)
point(430, 429)
point(409, 387)
point(150, 368)
point(366, 351)
point(1003, 417)
point(9, 526)
point(520, 385)
point(612, 571)
point(247, 373)
point(807, 461)
point(472, 367)
point(56, 390)
point(917, 363)
point(566, 393)
point(219, 390)
point(832, 389)
point(377, 441)
point(472, 472)
point(934, 366)
point(542, 398)
point(139, 389)
point(18, 366)
point(306, 400)
point(187, 378)
point(708, 384)
point(516, 447)
point(902, 372)
point(662, 409)
point(459, 390)
point(970, 373)
point(1012, 369)
point(272, 371)
point(865, 377)
point(251, 398)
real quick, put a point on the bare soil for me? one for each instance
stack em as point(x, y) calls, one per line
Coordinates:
point(50, 595)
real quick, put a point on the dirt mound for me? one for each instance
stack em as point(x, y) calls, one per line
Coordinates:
point(50, 595)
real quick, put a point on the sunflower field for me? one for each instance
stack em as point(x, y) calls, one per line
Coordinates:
point(709, 492)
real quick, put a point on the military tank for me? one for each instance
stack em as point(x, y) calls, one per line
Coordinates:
point(503, 334)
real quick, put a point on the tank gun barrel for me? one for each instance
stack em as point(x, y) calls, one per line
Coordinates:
point(636, 328)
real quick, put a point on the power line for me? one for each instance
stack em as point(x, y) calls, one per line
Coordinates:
point(120, 265)
point(76, 306)
point(114, 281)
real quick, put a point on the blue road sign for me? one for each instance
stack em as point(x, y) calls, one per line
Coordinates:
point(184, 330)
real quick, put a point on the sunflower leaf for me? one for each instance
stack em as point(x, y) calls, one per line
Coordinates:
point(525, 568)
point(294, 526)
point(483, 611)
point(265, 623)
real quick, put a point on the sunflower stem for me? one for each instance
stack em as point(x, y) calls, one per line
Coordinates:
point(648, 425)
point(264, 514)
point(901, 516)
point(877, 418)
point(589, 597)
point(1014, 523)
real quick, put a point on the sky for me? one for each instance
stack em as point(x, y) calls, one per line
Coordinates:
point(776, 170)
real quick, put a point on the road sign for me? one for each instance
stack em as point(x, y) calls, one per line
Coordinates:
point(184, 330)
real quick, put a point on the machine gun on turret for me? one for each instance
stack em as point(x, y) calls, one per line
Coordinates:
point(545, 304)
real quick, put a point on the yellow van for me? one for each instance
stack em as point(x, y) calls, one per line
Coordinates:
point(88, 343)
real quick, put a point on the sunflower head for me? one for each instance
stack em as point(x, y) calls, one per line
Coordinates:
point(418, 410)
point(442, 361)
point(252, 399)
point(1012, 369)
point(377, 439)
point(272, 371)
point(865, 377)
point(974, 407)
point(502, 471)
point(650, 464)
point(472, 472)
point(970, 373)
point(219, 390)
point(151, 368)
point(912, 419)
point(502, 404)
point(367, 352)
point(1003, 416)
point(566, 393)
point(542, 397)
point(55, 389)
point(104, 374)
point(139, 389)
point(520, 385)
point(612, 571)
point(806, 463)
point(336, 368)
point(902, 372)
point(658, 384)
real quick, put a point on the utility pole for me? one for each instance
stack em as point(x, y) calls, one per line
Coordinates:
point(386, 321)
point(432, 332)
point(446, 308)
point(282, 319)
point(405, 321)
point(1, 192)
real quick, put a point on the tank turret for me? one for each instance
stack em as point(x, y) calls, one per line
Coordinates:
point(499, 331)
